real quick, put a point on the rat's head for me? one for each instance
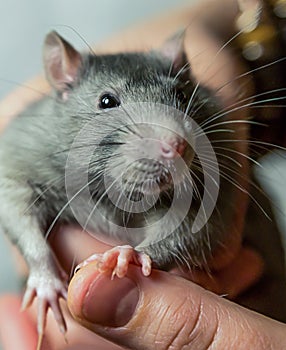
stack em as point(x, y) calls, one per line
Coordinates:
point(128, 114)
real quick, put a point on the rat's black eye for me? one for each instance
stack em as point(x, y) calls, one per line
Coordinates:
point(108, 100)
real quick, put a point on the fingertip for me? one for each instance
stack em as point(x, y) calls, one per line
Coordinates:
point(97, 300)
point(78, 287)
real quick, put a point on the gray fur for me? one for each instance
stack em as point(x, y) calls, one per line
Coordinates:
point(35, 147)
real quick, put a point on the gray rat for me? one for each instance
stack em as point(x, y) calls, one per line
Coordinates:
point(118, 130)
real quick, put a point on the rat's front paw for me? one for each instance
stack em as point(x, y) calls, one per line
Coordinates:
point(48, 286)
point(118, 259)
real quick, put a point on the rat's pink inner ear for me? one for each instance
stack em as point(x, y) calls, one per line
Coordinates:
point(62, 62)
point(174, 50)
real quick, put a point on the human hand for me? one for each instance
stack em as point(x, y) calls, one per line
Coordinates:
point(160, 311)
point(162, 289)
point(166, 311)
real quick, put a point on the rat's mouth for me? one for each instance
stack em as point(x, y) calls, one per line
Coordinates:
point(146, 177)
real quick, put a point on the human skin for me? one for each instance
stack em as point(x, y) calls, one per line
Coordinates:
point(197, 318)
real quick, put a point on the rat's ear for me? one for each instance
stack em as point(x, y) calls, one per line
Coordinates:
point(62, 62)
point(174, 50)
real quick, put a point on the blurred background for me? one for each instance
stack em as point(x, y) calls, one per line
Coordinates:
point(23, 26)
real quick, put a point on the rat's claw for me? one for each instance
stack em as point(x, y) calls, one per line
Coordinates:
point(146, 263)
point(90, 259)
point(40, 340)
point(50, 298)
point(48, 286)
point(28, 298)
point(118, 259)
point(58, 314)
point(43, 305)
point(42, 312)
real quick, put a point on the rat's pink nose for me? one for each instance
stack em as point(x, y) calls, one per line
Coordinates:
point(171, 149)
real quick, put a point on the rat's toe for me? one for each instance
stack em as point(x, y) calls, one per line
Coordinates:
point(28, 297)
point(58, 314)
point(146, 263)
point(90, 259)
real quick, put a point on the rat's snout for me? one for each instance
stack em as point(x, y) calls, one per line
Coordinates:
point(172, 148)
point(167, 148)
point(161, 143)
point(155, 158)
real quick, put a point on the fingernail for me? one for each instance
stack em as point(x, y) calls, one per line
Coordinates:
point(109, 302)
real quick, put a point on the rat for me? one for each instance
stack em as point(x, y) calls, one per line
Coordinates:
point(121, 139)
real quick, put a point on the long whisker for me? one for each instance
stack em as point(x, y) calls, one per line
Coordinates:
point(245, 178)
point(254, 103)
point(239, 187)
point(241, 121)
point(98, 202)
point(238, 153)
point(50, 185)
point(253, 142)
point(229, 109)
point(250, 72)
point(66, 205)
point(241, 76)
point(181, 71)
point(209, 66)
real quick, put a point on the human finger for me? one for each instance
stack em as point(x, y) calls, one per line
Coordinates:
point(168, 311)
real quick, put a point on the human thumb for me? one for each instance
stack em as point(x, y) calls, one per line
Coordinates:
point(164, 311)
